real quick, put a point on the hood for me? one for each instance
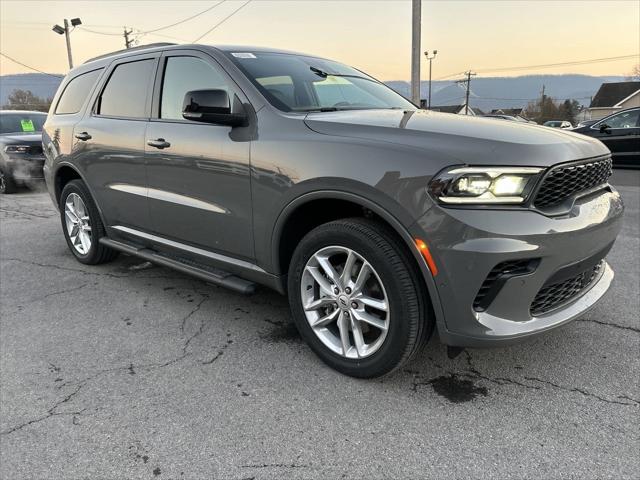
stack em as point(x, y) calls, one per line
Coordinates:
point(469, 140)
point(21, 138)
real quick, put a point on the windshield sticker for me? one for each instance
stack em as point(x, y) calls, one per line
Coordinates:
point(244, 55)
point(27, 125)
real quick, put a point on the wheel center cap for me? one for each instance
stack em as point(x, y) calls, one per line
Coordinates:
point(343, 302)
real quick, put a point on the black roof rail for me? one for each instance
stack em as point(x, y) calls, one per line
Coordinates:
point(141, 47)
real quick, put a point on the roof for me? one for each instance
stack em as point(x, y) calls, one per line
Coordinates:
point(610, 94)
point(507, 111)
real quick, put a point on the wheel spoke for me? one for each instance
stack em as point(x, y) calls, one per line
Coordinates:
point(326, 320)
point(374, 303)
point(74, 231)
point(343, 327)
point(321, 302)
point(86, 243)
point(345, 277)
point(71, 216)
point(328, 270)
point(363, 276)
point(324, 284)
point(356, 330)
point(365, 317)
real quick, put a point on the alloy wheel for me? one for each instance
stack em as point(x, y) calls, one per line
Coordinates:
point(345, 302)
point(78, 223)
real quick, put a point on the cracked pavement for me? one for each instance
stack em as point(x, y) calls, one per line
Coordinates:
point(129, 370)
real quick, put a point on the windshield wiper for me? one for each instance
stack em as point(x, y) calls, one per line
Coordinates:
point(323, 74)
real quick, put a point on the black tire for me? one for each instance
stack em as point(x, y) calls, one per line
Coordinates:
point(97, 253)
point(7, 184)
point(410, 323)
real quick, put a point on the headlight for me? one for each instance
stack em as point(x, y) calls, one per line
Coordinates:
point(478, 185)
point(16, 148)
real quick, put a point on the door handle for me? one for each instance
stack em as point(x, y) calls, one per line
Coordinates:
point(159, 143)
point(84, 136)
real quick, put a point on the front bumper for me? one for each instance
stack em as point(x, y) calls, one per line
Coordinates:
point(467, 244)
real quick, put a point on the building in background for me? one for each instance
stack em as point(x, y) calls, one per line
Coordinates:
point(612, 97)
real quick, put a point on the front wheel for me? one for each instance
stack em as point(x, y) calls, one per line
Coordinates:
point(356, 298)
point(7, 184)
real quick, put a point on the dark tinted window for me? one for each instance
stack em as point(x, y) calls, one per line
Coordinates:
point(21, 122)
point(126, 92)
point(182, 75)
point(76, 92)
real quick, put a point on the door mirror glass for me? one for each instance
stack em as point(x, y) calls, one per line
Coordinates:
point(210, 106)
point(604, 127)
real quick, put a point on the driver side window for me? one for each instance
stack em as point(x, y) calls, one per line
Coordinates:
point(623, 120)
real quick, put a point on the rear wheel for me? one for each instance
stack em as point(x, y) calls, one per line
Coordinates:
point(7, 184)
point(356, 299)
point(82, 225)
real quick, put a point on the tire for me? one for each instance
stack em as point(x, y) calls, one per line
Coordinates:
point(94, 252)
point(7, 184)
point(406, 318)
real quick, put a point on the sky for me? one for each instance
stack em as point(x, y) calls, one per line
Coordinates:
point(372, 35)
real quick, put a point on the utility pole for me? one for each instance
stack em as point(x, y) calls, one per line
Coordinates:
point(66, 31)
point(468, 82)
point(430, 58)
point(127, 42)
point(416, 14)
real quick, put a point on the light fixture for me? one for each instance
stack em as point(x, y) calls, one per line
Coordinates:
point(75, 22)
point(58, 29)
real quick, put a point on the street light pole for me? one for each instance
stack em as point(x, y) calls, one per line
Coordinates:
point(416, 14)
point(66, 31)
point(430, 58)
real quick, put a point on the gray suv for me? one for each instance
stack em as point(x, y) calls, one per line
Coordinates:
point(380, 221)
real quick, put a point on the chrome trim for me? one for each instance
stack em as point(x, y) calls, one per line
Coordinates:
point(188, 248)
point(170, 197)
point(497, 171)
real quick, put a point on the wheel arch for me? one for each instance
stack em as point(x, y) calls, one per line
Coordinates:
point(66, 172)
point(286, 221)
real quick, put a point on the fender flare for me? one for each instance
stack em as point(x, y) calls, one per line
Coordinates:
point(398, 227)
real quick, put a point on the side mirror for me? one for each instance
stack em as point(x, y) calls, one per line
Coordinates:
point(604, 128)
point(211, 106)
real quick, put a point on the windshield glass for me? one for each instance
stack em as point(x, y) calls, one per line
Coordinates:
point(300, 83)
point(21, 122)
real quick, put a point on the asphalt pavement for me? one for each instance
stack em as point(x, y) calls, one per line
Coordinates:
point(128, 370)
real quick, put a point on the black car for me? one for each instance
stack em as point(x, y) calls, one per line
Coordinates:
point(21, 158)
point(621, 133)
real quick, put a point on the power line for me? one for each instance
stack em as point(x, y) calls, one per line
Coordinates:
point(546, 65)
point(222, 21)
point(186, 19)
point(30, 67)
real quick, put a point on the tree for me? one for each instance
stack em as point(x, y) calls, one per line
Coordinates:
point(634, 75)
point(547, 109)
point(568, 110)
point(26, 100)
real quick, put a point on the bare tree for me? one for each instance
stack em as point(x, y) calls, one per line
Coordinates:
point(634, 75)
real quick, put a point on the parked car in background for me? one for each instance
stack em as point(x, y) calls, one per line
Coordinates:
point(585, 123)
point(558, 124)
point(511, 118)
point(620, 132)
point(381, 221)
point(21, 158)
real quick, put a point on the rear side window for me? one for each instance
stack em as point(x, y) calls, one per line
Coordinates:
point(76, 92)
point(125, 94)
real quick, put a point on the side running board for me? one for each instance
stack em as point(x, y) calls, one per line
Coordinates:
point(203, 272)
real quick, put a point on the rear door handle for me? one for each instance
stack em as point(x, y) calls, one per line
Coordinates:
point(84, 136)
point(159, 143)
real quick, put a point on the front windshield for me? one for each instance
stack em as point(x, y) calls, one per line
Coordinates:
point(301, 84)
point(21, 122)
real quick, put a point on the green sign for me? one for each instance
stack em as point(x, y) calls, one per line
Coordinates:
point(27, 125)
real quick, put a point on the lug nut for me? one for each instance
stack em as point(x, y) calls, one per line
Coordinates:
point(346, 314)
point(354, 304)
point(336, 291)
point(347, 290)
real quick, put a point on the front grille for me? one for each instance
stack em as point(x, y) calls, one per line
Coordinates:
point(555, 294)
point(563, 182)
point(497, 277)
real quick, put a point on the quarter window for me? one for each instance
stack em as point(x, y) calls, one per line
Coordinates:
point(126, 92)
point(182, 75)
point(76, 92)
point(623, 120)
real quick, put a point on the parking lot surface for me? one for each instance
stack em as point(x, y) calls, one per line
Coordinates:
point(128, 370)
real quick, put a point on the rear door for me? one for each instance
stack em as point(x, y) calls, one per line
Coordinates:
point(199, 181)
point(109, 141)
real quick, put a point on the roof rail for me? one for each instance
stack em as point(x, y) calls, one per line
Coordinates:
point(141, 47)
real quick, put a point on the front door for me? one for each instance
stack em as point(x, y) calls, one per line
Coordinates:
point(198, 174)
point(621, 136)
